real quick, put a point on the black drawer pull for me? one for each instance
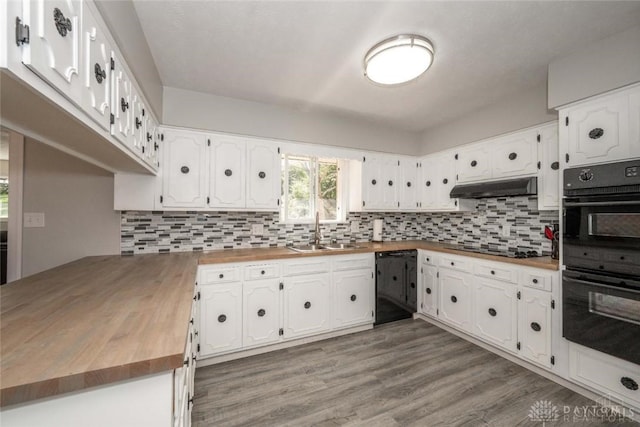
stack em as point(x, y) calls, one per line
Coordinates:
point(307, 304)
point(535, 281)
point(261, 312)
point(184, 169)
point(474, 163)
point(596, 133)
point(374, 182)
point(149, 137)
point(512, 156)
point(228, 172)
point(413, 285)
point(221, 276)
point(395, 278)
point(555, 166)
point(100, 73)
point(408, 184)
point(536, 326)
point(428, 259)
point(262, 175)
point(454, 299)
point(428, 183)
point(493, 312)
point(138, 123)
point(124, 105)
point(453, 263)
point(429, 291)
point(263, 272)
point(493, 272)
point(390, 183)
point(222, 318)
point(444, 181)
point(353, 298)
point(63, 24)
point(629, 383)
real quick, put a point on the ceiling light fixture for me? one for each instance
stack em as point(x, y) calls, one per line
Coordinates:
point(398, 59)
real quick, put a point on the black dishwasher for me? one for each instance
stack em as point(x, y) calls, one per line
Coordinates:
point(396, 285)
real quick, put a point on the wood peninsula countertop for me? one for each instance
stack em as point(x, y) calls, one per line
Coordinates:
point(264, 254)
point(104, 319)
point(94, 321)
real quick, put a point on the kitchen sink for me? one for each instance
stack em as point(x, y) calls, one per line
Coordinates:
point(339, 246)
point(306, 248)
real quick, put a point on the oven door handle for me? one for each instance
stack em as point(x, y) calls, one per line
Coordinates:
point(610, 203)
point(601, 285)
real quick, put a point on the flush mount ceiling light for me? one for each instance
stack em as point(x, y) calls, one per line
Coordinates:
point(398, 59)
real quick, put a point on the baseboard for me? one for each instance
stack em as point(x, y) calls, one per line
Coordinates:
point(212, 360)
point(530, 366)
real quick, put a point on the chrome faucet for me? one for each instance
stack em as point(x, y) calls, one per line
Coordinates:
point(317, 236)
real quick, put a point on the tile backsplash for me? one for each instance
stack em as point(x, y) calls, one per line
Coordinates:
point(500, 224)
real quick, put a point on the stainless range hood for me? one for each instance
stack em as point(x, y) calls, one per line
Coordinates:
point(482, 190)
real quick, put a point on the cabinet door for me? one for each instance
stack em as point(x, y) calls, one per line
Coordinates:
point(428, 184)
point(446, 181)
point(261, 312)
point(494, 313)
point(122, 110)
point(220, 318)
point(263, 175)
point(53, 51)
point(184, 175)
point(549, 172)
point(139, 129)
point(534, 325)
point(228, 172)
point(429, 290)
point(474, 163)
point(372, 182)
point(307, 305)
point(353, 293)
point(153, 141)
point(96, 71)
point(598, 131)
point(515, 155)
point(391, 178)
point(408, 184)
point(455, 299)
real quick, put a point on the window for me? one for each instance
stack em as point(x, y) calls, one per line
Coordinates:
point(310, 185)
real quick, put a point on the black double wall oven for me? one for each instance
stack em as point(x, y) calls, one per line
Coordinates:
point(601, 252)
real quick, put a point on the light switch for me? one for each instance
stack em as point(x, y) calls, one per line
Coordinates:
point(257, 229)
point(33, 220)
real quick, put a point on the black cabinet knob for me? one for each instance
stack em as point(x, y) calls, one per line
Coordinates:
point(395, 278)
point(99, 73)
point(374, 182)
point(124, 105)
point(629, 383)
point(228, 172)
point(453, 263)
point(413, 285)
point(596, 133)
point(493, 312)
point(454, 299)
point(63, 24)
point(493, 272)
point(555, 166)
point(184, 169)
point(390, 183)
point(263, 272)
point(222, 318)
point(353, 298)
point(408, 184)
point(221, 276)
point(429, 291)
point(261, 175)
point(138, 123)
point(512, 156)
point(444, 181)
point(149, 137)
point(536, 326)
point(261, 312)
point(535, 281)
point(474, 163)
point(307, 304)
point(428, 183)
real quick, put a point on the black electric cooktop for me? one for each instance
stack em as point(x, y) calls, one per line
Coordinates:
point(524, 253)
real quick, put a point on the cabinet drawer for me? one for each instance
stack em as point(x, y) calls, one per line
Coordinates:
point(455, 263)
point(361, 262)
point(607, 374)
point(219, 274)
point(428, 258)
point(497, 272)
point(308, 266)
point(263, 271)
point(537, 280)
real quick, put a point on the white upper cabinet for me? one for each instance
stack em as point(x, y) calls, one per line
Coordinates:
point(139, 128)
point(184, 169)
point(380, 181)
point(515, 154)
point(473, 163)
point(122, 105)
point(597, 131)
point(408, 184)
point(263, 175)
point(96, 70)
point(53, 51)
point(437, 178)
point(429, 172)
point(390, 178)
point(549, 169)
point(227, 175)
point(372, 181)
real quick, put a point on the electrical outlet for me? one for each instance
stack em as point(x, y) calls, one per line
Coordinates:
point(257, 229)
point(506, 230)
point(33, 220)
point(355, 226)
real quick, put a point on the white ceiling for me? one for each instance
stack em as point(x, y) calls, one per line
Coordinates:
point(308, 54)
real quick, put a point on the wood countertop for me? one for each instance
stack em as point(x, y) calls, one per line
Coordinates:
point(94, 321)
point(263, 254)
point(105, 319)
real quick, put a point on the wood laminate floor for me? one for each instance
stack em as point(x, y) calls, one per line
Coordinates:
point(407, 373)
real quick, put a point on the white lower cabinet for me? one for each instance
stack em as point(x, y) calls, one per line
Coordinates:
point(307, 305)
point(456, 299)
point(428, 290)
point(534, 325)
point(261, 312)
point(220, 318)
point(353, 297)
point(495, 313)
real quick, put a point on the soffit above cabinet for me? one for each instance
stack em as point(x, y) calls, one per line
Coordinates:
point(308, 55)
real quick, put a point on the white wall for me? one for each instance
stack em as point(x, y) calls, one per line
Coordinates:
point(77, 200)
point(515, 112)
point(209, 112)
point(597, 67)
point(122, 20)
